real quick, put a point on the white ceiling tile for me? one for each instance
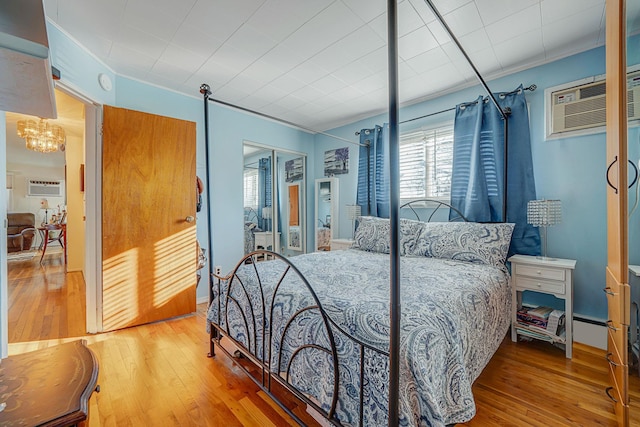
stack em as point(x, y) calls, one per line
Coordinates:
point(353, 72)
point(494, 10)
point(348, 92)
point(415, 43)
point(446, 6)
point(428, 60)
point(231, 93)
point(287, 83)
point(423, 10)
point(486, 62)
point(269, 19)
point(408, 19)
point(263, 71)
point(475, 41)
point(308, 72)
point(251, 41)
point(376, 61)
point(286, 58)
point(308, 93)
point(171, 71)
point(329, 84)
point(442, 78)
point(123, 57)
point(324, 29)
point(291, 102)
point(234, 58)
point(146, 17)
point(372, 83)
point(521, 22)
point(140, 41)
point(216, 71)
point(555, 35)
point(464, 20)
point(367, 10)
point(196, 41)
point(553, 10)
point(186, 59)
point(439, 32)
point(355, 45)
point(220, 19)
point(269, 94)
point(453, 52)
point(518, 51)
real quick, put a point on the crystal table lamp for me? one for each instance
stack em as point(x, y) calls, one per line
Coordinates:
point(543, 213)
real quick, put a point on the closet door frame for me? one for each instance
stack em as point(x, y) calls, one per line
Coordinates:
point(617, 271)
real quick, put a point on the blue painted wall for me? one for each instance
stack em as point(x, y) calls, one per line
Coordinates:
point(569, 169)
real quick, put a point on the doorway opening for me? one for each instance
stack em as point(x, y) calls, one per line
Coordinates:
point(46, 286)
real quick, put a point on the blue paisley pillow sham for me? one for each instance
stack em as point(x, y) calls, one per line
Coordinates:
point(373, 233)
point(463, 241)
point(466, 241)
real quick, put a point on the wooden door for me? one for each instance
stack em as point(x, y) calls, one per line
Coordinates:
point(617, 273)
point(148, 211)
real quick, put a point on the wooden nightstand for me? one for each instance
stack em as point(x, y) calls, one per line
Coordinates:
point(548, 276)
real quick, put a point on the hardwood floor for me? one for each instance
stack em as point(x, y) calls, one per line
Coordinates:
point(159, 375)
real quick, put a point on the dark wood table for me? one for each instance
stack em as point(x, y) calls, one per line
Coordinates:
point(49, 387)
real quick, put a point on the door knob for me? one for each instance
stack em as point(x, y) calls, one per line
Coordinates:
point(189, 219)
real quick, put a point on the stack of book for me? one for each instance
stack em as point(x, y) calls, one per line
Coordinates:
point(543, 323)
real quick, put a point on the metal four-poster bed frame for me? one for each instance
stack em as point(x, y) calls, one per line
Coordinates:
point(394, 306)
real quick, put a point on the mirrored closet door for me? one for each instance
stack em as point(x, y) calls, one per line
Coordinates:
point(274, 202)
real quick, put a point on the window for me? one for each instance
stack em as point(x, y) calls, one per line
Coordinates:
point(251, 188)
point(426, 160)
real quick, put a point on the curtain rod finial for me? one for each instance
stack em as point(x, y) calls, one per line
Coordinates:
point(205, 89)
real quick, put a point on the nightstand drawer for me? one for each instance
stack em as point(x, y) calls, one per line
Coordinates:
point(526, 283)
point(541, 272)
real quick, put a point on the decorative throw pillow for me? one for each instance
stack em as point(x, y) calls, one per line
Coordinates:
point(373, 233)
point(466, 241)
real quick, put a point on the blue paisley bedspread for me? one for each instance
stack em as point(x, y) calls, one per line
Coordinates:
point(454, 315)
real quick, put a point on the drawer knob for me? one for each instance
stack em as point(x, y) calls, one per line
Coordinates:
point(538, 285)
point(538, 272)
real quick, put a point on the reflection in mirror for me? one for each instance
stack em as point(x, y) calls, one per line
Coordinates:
point(258, 200)
point(326, 220)
point(291, 179)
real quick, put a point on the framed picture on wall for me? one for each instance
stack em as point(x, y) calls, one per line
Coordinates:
point(336, 162)
point(294, 169)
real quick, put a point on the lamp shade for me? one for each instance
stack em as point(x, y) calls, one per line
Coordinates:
point(353, 211)
point(543, 213)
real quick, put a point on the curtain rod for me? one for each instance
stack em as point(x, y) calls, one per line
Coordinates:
point(531, 88)
point(277, 119)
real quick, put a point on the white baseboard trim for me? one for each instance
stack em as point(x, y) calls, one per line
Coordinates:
point(594, 335)
point(202, 300)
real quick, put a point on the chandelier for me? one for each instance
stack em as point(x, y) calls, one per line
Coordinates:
point(41, 136)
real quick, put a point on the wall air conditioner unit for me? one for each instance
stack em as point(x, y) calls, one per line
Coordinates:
point(580, 109)
point(45, 188)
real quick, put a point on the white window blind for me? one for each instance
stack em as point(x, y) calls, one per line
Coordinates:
point(426, 160)
point(251, 188)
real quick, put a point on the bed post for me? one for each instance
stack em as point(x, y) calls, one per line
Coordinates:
point(394, 190)
point(205, 90)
